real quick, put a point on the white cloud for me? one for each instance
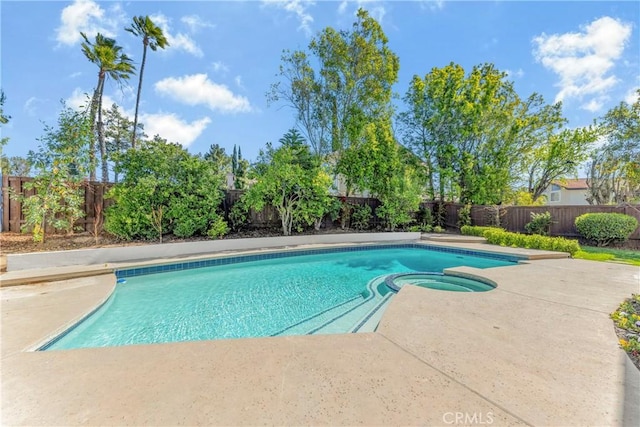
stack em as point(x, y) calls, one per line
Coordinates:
point(632, 95)
point(197, 89)
point(31, 105)
point(80, 100)
point(298, 8)
point(238, 80)
point(195, 23)
point(87, 16)
point(432, 5)
point(220, 66)
point(584, 60)
point(376, 11)
point(519, 73)
point(76, 74)
point(594, 104)
point(173, 128)
point(179, 41)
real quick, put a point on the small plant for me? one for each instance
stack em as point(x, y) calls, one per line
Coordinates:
point(438, 229)
point(239, 215)
point(218, 228)
point(540, 223)
point(464, 216)
point(361, 217)
point(421, 228)
point(425, 218)
point(627, 321)
point(156, 220)
point(606, 228)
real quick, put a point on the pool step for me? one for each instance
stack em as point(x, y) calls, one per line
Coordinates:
point(312, 322)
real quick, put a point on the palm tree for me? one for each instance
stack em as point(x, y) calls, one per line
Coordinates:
point(114, 64)
point(152, 37)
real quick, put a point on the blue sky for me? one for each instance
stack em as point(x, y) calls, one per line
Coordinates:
point(209, 86)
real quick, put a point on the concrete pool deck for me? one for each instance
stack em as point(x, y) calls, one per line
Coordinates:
point(538, 350)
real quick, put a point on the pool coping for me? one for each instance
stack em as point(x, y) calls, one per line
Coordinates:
point(414, 372)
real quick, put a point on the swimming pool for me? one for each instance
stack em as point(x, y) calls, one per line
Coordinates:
point(269, 294)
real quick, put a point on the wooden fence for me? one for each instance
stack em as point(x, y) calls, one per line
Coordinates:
point(13, 217)
point(512, 218)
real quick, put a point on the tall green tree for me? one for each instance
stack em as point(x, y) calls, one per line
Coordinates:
point(290, 179)
point(114, 64)
point(15, 165)
point(239, 168)
point(219, 158)
point(152, 37)
point(464, 127)
point(614, 168)
point(349, 86)
point(62, 162)
point(118, 135)
point(4, 119)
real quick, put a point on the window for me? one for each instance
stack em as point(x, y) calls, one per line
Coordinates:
point(555, 187)
point(555, 196)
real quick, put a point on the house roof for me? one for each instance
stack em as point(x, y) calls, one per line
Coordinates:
point(573, 184)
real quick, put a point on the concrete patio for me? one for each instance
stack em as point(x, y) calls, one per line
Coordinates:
point(538, 350)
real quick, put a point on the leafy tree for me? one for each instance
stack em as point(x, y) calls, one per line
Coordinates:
point(219, 158)
point(15, 165)
point(349, 86)
point(4, 119)
point(118, 133)
point(165, 190)
point(477, 136)
point(614, 169)
point(62, 162)
point(152, 37)
point(114, 64)
point(239, 168)
point(291, 180)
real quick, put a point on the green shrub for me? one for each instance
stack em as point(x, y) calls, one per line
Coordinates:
point(165, 190)
point(540, 223)
point(475, 230)
point(218, 228)
point(605, 228)
point(421, 228)
point(361, 216)
point(464, 216)
point(425, 218)
point(504, 238)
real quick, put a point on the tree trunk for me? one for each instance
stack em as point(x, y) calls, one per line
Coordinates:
point(135, 117)
point(92, 140)
point(101, 140)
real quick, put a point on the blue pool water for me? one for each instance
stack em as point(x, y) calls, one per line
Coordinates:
point(291, 295)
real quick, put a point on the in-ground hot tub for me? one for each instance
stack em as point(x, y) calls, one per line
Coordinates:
point(438, 281)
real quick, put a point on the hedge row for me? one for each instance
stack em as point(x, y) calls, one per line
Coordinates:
point(498, 236)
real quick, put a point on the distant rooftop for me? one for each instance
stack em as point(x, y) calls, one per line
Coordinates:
point(573, 184)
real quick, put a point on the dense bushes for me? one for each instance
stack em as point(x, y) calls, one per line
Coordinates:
point(471, 230)
point(505, 238)
point(606, 228)
point(165, 190)
point(498, 236)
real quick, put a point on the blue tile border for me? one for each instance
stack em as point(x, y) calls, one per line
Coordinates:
point(153, 269)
